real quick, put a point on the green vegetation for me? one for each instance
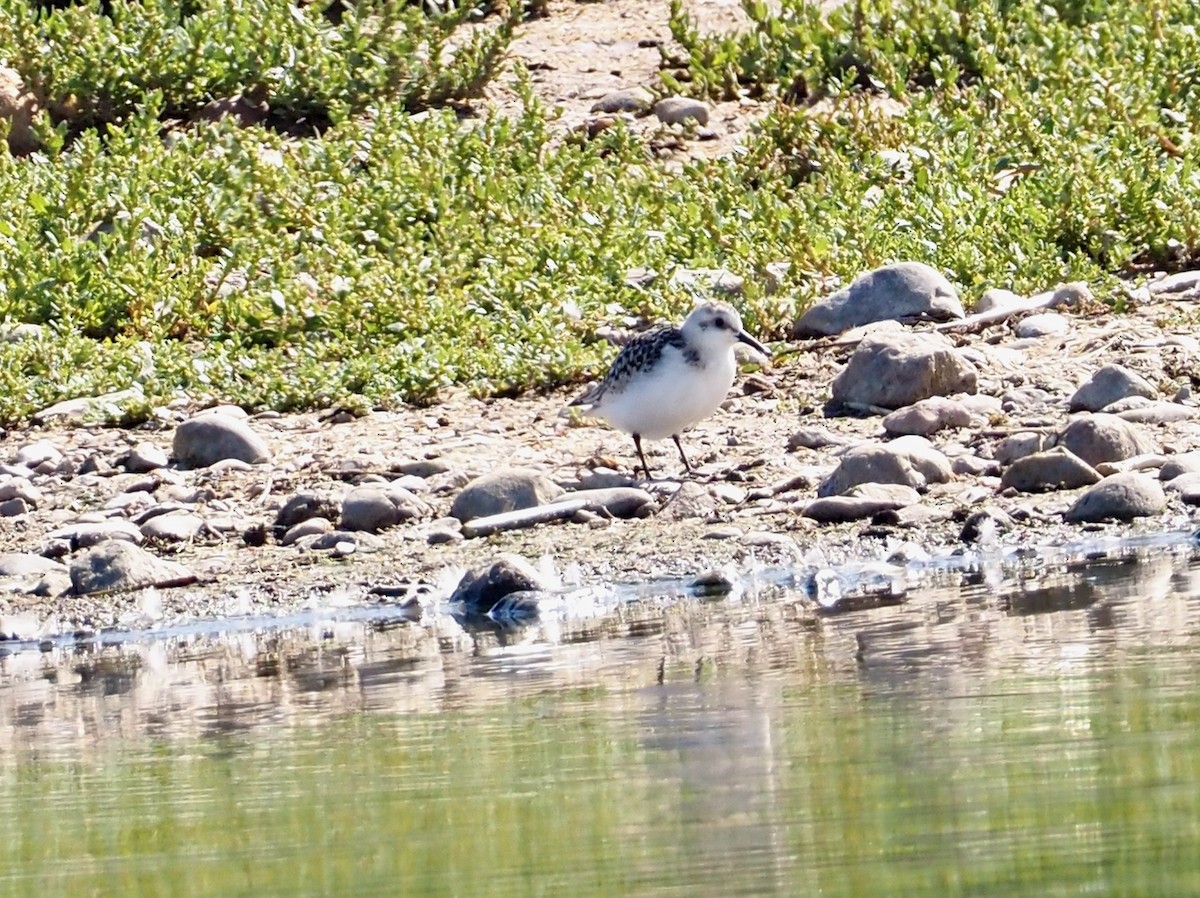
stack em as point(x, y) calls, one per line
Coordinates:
point(366, 243)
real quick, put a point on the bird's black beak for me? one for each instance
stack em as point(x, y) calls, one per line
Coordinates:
point(750, 341)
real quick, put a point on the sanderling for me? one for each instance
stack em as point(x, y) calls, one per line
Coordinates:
point(668, 378)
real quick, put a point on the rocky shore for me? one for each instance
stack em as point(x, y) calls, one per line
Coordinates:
point(905, 423)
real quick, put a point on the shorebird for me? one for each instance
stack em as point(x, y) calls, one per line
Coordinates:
point(668, 378)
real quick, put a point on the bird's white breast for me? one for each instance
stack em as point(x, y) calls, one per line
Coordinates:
point(670, 397)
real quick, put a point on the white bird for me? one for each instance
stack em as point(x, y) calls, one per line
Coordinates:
point(668, 378)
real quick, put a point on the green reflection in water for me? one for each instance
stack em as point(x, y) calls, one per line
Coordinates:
point(1066, 783)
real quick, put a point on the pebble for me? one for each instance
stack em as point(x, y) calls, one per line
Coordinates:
point(927, 416)
point(117, 566)
point(211, 437)
point(1184, 463)
point(373, 509)
point(13, 508)
point(864, 501)
point(145, 457)
point(502, 491)
point(1121, 497)
point(892, 367)
point(690, 500)
point(482, 587)
point(678, 110)
point(903, 290)
point(911, 461)
point(176, 527)
point(1046, 324)
point(1097, 438)
point(1108, 385)
point(636, 100)
point(84, 534)
point(308, 527)
point(1057, 469)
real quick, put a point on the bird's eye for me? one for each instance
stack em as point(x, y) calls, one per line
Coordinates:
point(719, 323)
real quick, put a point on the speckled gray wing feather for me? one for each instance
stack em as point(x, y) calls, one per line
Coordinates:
point(639, 355)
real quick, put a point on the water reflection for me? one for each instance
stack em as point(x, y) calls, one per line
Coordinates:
point(1027, 733)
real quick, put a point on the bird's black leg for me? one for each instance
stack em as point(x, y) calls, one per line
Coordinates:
point(637, 441)
point(679, 446)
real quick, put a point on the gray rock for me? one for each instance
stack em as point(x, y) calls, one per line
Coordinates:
point(1098, 438)
point(707, 280)
point(1181, 282)
point(504, 490)
point(34, 455)
point(1121, 497)
point(1047, 324)
point(83, 534)
point(13, 508)
point(927, 416)
point(677, 110)
point(373, 509)
point(21, 488)
point(973, 466)
point(1071, 295)
point(1019, 445)
point(341, 542)
point(996, 298)
point(893, 368)
point(107, 406)
point(208, 438)
point(309, 527)
point(1184, 463)
point(635, 100)
point(1156, 412)
point(1106, 386)
point(1187, 485)
point(519, 518)
point(480, 589)
point(691, 500)
point(24, 564)
point(145, 457)
point(175, 527)
point(1057, 469)
point(605, 478)
point(910, 461)
point(422, 467)
point(863, 501)
point(618, 501)
point(816, 438)
point(902, 291)
point(116, 566)
point(20, 333)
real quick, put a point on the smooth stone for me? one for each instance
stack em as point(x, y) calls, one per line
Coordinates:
point(636, 100)
point(308, 527)
point(1046, 324)
point(707, 280)
point(729, 493)
point(690, 500)
point(116, 566)
point(337, 540)
point(21, 488)
point(25, 564)
point(13, 508)
point(1057, 469)
point(1019, 445)
point(995, 298)
point(864, 501)
point(423, 468)
point(892, 367)
point(21, 333)
point(373, 509)
point(482, 588)
point(146, 457)
point(176, 526)
point(83, 534)
point(1157, 413)
point(504, 490)
point(303, 506)
point(107, 406)
point(620, 501)
point(911, 461)
point(927, 416)
point(604, 478)
point(1188, 487)
point(816, 438)
point(677, 110)
point(211, 437)
point(903, 290)
point(521, 517)
point(1180, 282)
point(36, 454)
point(973, 466)
point(1121, 497)
point(1184, 463)
point(1098, 438)
point(1108, 385)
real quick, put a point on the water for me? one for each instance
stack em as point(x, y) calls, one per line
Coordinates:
point(1023, 735)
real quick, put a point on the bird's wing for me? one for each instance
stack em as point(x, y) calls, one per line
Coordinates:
point(640, 353)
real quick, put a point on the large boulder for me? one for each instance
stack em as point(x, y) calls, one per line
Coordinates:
point(905, 290)
point(892, 368)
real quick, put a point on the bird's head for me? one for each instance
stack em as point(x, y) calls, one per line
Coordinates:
point(718, 326)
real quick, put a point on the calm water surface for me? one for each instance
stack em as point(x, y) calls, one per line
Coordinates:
point(1027, 737)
